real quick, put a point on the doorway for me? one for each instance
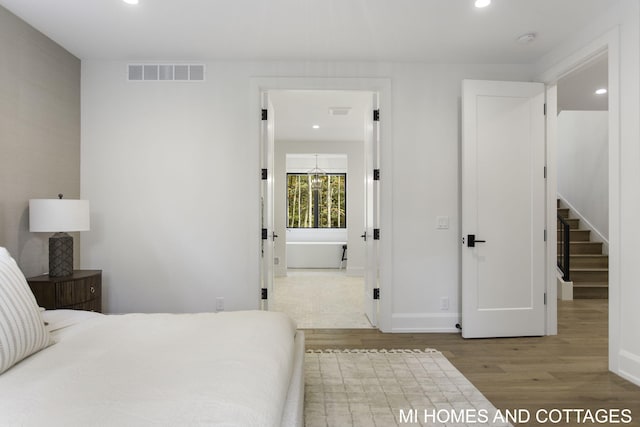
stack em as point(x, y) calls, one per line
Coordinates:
point(609, 43)
point(319, 257)
point(583, 179)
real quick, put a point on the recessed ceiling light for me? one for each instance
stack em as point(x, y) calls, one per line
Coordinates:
point(482, 3)
point(601, 91)
point(130, 1)
point(316, 126)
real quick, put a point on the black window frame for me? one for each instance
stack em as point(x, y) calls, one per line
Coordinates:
point(316, 202)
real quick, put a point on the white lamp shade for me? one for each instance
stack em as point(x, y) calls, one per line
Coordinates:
point(58, 215)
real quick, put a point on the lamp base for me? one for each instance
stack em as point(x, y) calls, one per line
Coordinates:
point(60, 255)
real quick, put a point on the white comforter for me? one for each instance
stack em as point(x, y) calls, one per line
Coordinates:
point(227, 369)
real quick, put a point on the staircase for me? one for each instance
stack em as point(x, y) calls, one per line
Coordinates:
point(589, 267)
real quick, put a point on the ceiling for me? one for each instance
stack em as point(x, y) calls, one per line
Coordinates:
point(576, 91)
point(442, 31)
point(352, 30)
point(297, 111)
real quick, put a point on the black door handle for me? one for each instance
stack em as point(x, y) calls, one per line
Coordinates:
point(274, 236)
point(364, 236)
point(471, 241)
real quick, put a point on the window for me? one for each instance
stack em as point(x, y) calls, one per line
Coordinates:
point(323, 208)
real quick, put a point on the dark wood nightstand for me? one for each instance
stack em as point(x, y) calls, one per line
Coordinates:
point(80, 291)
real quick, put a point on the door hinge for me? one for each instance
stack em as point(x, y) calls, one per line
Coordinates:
point(376, 174)
point(545, 298)
point(264, 173)
point(264, 293)
point(376, 234)
point(376, 293)
point(545, 108)
point(376, 115)
point(264, 114)
point(264, 234)
point(544, 172)
point(545, 234)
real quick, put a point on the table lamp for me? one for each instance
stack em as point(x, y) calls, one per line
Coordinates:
point(59, 216)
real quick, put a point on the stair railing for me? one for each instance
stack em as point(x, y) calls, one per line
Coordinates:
point(564, 248)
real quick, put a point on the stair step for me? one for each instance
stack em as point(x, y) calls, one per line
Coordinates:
point(576, 235)
point(574, 223)
point(590, 290)
point(589, 261)
point(590, 275)
point(583, 248)
point(589, 267)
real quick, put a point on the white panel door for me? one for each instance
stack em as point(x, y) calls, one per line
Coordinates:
point(268, 235)
point(503, 209)
point(372, 209)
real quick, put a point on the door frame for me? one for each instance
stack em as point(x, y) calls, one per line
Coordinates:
point(382, 86)
point(609, 42)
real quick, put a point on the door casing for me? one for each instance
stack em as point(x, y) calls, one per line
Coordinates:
point(383, 87)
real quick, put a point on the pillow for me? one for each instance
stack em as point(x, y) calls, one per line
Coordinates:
point(22, 330)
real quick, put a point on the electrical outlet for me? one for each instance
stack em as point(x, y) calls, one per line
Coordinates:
point(444, 303)
point(220, 304)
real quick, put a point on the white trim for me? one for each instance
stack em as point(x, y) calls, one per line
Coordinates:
point(629, 366)
point(425, 322)
point(578, 59)
point(383, 87)
point(611, 43)
point(565, 289)
point(551, 261)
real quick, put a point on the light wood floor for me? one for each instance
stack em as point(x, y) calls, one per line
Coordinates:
point(569, 370)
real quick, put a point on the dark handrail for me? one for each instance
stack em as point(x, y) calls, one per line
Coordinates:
point(564, 248)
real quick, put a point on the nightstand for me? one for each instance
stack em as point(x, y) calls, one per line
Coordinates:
point(80, 291)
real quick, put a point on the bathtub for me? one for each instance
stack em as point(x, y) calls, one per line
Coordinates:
point(314, 254)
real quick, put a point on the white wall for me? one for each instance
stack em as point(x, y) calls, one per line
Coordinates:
point(583, 166)
point(171, 170)
point(354, 151)
point(619, 32)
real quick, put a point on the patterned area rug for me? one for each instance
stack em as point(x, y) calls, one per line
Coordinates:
point(391, 388)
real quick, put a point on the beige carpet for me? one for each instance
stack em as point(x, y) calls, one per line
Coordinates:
point(321, 299)
point(390, 388)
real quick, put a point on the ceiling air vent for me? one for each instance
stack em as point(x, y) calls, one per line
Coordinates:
point(339, 111)
point(166, 72)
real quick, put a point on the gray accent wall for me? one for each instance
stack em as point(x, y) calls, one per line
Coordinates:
point(39, 134)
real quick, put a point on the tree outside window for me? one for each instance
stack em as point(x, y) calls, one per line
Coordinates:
point(323, 208)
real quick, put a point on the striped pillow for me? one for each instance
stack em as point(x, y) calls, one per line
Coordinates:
point(22, 330)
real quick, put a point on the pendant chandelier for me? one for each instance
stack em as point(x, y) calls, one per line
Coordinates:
point(316, 176)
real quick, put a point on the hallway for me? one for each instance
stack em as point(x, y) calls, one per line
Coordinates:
point(321, 299)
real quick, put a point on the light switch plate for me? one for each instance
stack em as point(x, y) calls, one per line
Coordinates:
point(442, 223)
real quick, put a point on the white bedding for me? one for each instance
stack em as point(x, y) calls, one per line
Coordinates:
point(226, 369)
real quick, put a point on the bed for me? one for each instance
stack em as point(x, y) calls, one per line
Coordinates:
point(240, 368)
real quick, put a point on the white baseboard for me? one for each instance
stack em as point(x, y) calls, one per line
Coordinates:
point(596, 235)
point(629, 365)
point(565, 290)
point(424, 322)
